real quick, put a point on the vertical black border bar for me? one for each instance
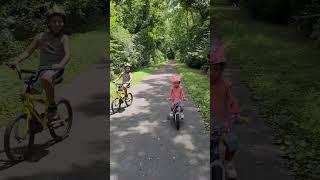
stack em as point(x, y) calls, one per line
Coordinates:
point(107, 81)
point(212, 29)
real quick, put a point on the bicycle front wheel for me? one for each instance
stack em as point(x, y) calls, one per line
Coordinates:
point(177, 121)
point(60, 128)
point(18, 131)
point(115, 105)
point(129, 99)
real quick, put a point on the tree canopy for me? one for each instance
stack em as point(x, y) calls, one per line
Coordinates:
point(150, 31)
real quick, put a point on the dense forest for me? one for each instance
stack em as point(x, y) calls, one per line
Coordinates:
point(302, 14)
point(22, 21)
point(151, 31)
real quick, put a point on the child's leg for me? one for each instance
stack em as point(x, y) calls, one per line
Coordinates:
point(228, 153)
point(125, 89)
point(181, 106)
point(231, 143)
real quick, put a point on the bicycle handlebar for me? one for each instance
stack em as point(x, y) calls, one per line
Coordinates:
point(36, 73)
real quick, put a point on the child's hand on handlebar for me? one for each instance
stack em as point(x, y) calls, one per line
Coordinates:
point(57, 66)
point(12, 65)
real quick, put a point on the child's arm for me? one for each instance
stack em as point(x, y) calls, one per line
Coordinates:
point(233, 103)
point(119, 77)
point(27, 53)
point(66, 45)
point(183, 97)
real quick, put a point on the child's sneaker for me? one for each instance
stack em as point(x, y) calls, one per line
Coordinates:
point(230, 170)
point(170, 115)
point(182, 116)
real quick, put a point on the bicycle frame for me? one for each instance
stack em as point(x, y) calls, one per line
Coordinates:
point(176, 108)
point(120, 93)
point(30, 112)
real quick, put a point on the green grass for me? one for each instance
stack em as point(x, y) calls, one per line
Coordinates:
point(282, 69)
point(86, 48)
point(138, 75)
point(197, 84)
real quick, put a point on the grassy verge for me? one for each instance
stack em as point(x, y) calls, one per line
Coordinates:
point(282, 69)
point(138, 76)
point(199, 91)
point(83, 55)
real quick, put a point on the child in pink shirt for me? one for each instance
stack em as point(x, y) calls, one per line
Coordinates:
point(225, 107)
point(176, 94)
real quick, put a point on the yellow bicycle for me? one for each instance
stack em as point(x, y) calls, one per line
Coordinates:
point(33, 120)
point(120, 98)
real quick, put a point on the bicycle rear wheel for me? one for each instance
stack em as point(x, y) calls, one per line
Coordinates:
point(129, 99)
point(15, 129)
point(115, 105)
point(60, 128)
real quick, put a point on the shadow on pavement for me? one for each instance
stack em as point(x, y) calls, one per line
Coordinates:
point(96, 170)
point(38, 152)
point(94, 106)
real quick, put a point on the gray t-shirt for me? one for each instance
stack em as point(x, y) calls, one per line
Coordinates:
point(126, 77)
point(53, 51)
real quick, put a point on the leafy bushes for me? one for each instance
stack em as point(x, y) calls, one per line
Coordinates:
point(22, 21)
point(138, 33)
point(274, 10)
point(304, 13)
point(190, 32)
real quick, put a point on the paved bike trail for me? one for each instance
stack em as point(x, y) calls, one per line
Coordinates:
point(83, 154)
point(258, 158)
point(145, 145)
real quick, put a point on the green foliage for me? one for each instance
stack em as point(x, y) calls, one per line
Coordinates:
point(138, 33)
point(22, 21)
point(304, 14)
point(190, 30)
point(144, 32)
point(274, 10)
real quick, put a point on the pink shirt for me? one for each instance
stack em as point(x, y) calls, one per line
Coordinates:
point(225, 105)
point(176, 94)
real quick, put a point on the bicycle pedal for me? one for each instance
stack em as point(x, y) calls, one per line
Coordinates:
point(57, 123)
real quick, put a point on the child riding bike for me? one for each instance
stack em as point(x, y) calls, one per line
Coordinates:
point(126, 78)
point(176, 94)
point(54, 52)
point(225, 106)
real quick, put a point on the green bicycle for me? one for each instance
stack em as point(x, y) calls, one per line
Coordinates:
point(120, 99)
point(33, 120)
